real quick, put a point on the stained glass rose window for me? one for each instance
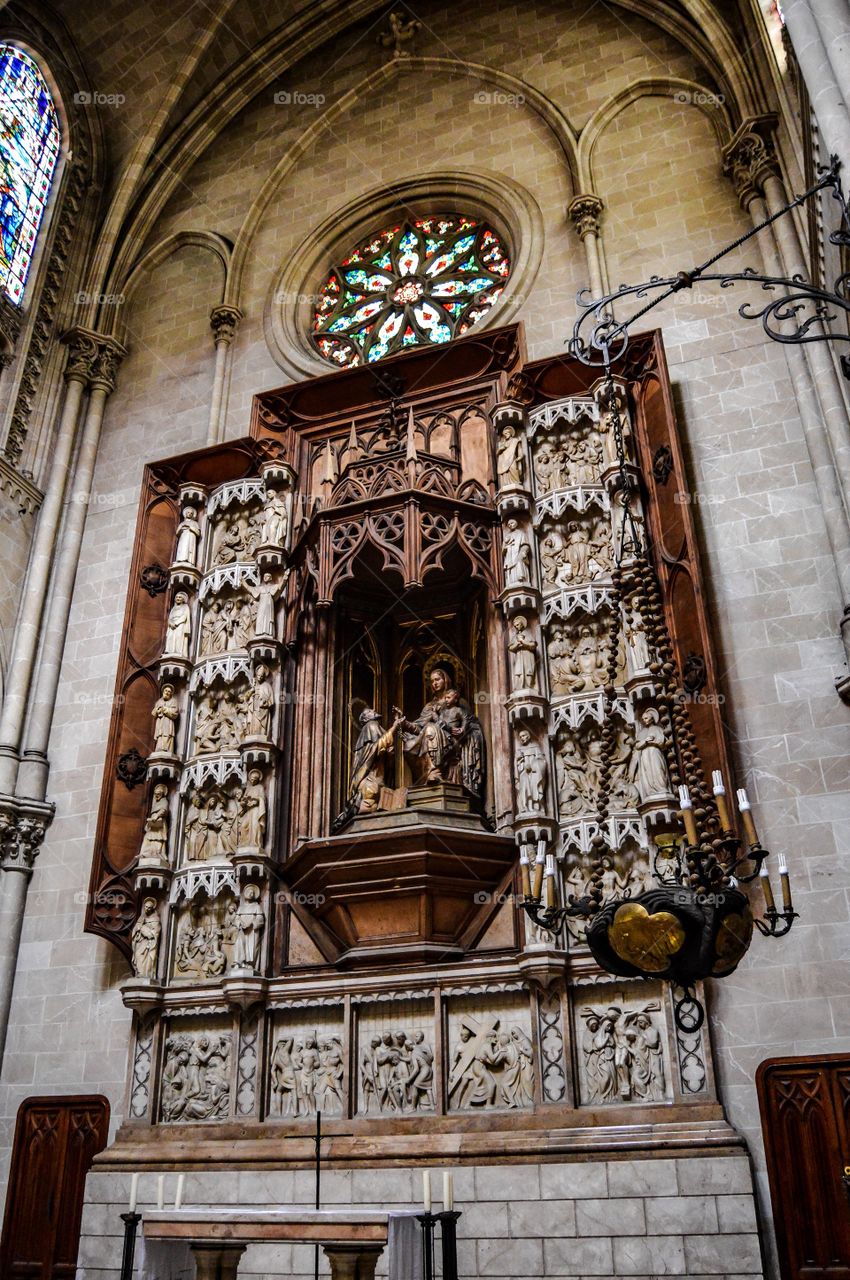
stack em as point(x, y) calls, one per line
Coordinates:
point(411, 285)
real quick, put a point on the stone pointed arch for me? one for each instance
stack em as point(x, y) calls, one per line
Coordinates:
point(208, 241)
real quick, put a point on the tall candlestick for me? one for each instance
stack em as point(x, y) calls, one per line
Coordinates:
point(426, 1189)
point(178, 1196)
point(525, 871)
point(720, 797)
point(134, 1193)
point(764, 876)
point(785, 881)
point(448, 1191)
point(687, 812)
point(160, 1191)
point(747, 816)
point(539, 865)
point(551, 895)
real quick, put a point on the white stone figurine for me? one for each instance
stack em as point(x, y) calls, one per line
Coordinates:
point(165, 716)
point(265, 623)
point(523, 647)
point(178, 627)
point(510, 462)
point(262, 702)
point(145, 940)
point(530, 773)
point(188, 535)
point(516, 550)
point(155, 839)
point(250, 921)
point(648, 770)
point(275, 521)
point(252, 812)
point(638, 648)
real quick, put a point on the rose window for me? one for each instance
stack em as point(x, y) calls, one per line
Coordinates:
point(411, 285)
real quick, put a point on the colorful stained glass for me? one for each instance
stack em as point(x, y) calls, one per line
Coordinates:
point(411, 285)
point(29, 149)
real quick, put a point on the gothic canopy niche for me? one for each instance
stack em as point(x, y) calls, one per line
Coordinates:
point(503, 246)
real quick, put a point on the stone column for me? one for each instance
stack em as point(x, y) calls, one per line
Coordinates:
point(829, 96)
point(223, 322)
point(585, 212)
point(32, 775)
point(751, 164)
point(83, 350)
point(217, 1262)
point(22, 829)
point(352, 1261)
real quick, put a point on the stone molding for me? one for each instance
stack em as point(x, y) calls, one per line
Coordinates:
point(19, 489)
point(23, 825)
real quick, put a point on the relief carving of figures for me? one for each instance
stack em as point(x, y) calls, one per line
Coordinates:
point(220, 720)
point(574, 793)
point(546, 469)
point(307, 1075)
point(253, 809)
point(188, 536)
point(195, 1077)
point(516, 552)
point(622, 1055)
point(624, 793)
point(648, 769)
point(262, 703)
point(374, 744)
point(275, 524)
point(577, 668)
point(397, 1072)
point(145, 940)
point(491, 1067)
point(510, 460)
point(227, 625)
point(233, 544)
point(523, 647)
point(165, 716)
point(178, 628)
point(446, 741)
point(205, 939)
point(580, 557)
point(211, 826)
point(155, 839)
point(530, 772)
point(250, 923)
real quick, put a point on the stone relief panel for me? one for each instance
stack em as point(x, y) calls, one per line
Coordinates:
point(395, 1058)
point(490, 1054)
point(307, 1064)
point(622, 1046)
point(196, 1072)
point(205, 938)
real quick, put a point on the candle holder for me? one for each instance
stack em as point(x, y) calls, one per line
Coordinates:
point(448, 1239)
point(427, 1222)
point(131, 1225)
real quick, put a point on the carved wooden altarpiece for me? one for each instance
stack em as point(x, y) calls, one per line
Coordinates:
point(313, 873)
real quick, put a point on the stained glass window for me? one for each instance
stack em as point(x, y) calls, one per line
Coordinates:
point(29, 149)
point(410, 285)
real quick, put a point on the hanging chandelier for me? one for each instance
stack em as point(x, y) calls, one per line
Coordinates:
point(700, 923)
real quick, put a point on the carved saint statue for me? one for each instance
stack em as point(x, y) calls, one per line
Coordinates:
point(638, 648)
point(648, 769)
point(178, 627)
point(155, 839)
point(373, 744)
point(446, 739)
point(262, 702)
point(530, 771)
point(275, 521)
point(188, 534)
point(145, 940)
point(252, 812)
point(265, 595)
point(250, 923)
point(516, 550)
point(165, 716)
point(524, 661)
point(510, 461)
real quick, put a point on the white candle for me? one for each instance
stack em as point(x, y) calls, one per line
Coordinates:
point(178, 1198)
point(160, 1191)
point(134, 1192)
point(717, 783)
point(426, 1190)
point(743, 799)
point(448, 1191)
point(684, 798)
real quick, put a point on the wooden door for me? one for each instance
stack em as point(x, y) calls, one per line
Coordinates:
point(56, 1140)
point(805, 1112)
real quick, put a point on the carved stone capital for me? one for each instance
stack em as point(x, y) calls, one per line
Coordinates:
point(105, 369)
point(585, 212)
point(23, 824)
point(224, 321)
point(749, 159)
point(10, 326)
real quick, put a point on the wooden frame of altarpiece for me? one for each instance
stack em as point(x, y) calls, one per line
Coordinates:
point(483, 370)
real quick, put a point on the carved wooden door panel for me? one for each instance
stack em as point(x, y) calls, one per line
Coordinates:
point(805, 1110)
point(56, 1140)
